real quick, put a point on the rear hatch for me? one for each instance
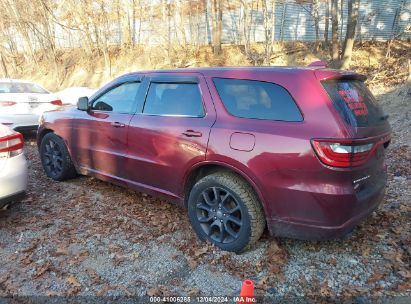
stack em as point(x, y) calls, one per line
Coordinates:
point(357, 106)
point(369, 130)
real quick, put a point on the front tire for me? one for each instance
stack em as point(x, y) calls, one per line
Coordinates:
point(224, 209)
point(55, 158)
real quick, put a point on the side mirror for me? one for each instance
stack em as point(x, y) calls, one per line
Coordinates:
point(82, 104)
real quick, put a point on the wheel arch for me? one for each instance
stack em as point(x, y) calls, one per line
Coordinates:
point(203, 169)
point(41, 133)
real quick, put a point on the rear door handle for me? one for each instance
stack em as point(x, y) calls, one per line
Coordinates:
point(117, 124)
point(192, 133)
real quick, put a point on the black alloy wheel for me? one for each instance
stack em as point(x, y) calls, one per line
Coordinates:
point(219, 214)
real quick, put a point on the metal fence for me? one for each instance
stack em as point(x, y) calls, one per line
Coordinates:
point(378, 20)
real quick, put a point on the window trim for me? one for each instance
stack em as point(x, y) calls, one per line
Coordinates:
point(95, 98)
point(262, 119)
point(174, 80)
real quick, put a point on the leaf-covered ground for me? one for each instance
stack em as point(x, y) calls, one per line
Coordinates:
point(88, 237)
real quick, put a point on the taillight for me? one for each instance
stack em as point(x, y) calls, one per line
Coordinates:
point(343, 153)
point(56, 102)
point(7, 103)
point(11, 145)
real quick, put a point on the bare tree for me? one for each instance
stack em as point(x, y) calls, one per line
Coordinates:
point(327, 23)
point(246, 28)
point(217, 25)
point(268, 8)
point(353, 7)
point(334, 31)
point(316, 16)
point(3, 65)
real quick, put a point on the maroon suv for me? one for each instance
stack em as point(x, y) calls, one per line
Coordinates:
point(300, 150)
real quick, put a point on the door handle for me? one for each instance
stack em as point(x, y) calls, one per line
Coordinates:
point(117, 124)
point(192, 133)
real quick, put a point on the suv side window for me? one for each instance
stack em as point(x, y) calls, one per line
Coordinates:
point(119, 99)
point(257, 99)
point(174, 99)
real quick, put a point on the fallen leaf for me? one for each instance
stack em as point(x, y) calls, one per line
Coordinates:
point(405, 274)
point(365, 252)
point(153, 292)
point(263, 283)
point(325, 290)
point(200, 251)
point(31, 247)
point(376, 276)
point(73, 281)
point(402, 287)
point(42, 269)
point(192, 264)
point(192, 292)
point(103, 290)
point(95, 278)
point(61, 251)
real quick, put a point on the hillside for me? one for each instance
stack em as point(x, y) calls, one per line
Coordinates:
point(75, 68)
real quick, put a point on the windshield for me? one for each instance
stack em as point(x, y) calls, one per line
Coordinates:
point(21, 87)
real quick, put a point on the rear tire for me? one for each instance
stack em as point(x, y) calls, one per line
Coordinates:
point(56, 159)
point(224, 209)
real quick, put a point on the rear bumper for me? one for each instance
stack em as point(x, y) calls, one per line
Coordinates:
point(13, 178)
point(21, 122)
point(306, 231)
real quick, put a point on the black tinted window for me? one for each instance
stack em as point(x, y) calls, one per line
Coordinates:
point(354, 102)
point(119, 100)
point(182, 99)
point(257, 99)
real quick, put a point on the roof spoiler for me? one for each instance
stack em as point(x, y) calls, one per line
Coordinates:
point(323, 75)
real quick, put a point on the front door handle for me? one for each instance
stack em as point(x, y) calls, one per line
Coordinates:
point(117, 124)
point(192, 133)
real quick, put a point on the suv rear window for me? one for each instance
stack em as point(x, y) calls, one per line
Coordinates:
point(257, 99)
point(354, 102)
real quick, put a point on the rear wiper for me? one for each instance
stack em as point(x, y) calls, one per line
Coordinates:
point(384, 117)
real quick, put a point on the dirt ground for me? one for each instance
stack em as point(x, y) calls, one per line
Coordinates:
point(88, 237)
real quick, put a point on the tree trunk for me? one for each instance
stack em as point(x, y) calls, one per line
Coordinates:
point(246, 25)
point(209, 33)
point(334, 30)
point(4, 66)
point(269, 21)
point(133, 22)
point(217, 26)
point(316, 16)
point(327, 23)
point(283, 21)
point(353, 6)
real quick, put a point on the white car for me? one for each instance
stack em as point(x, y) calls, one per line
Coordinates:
point(70, 96)
point(23, 102)
point(13, 166)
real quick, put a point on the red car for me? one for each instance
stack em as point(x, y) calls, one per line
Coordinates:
point(299, 150)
